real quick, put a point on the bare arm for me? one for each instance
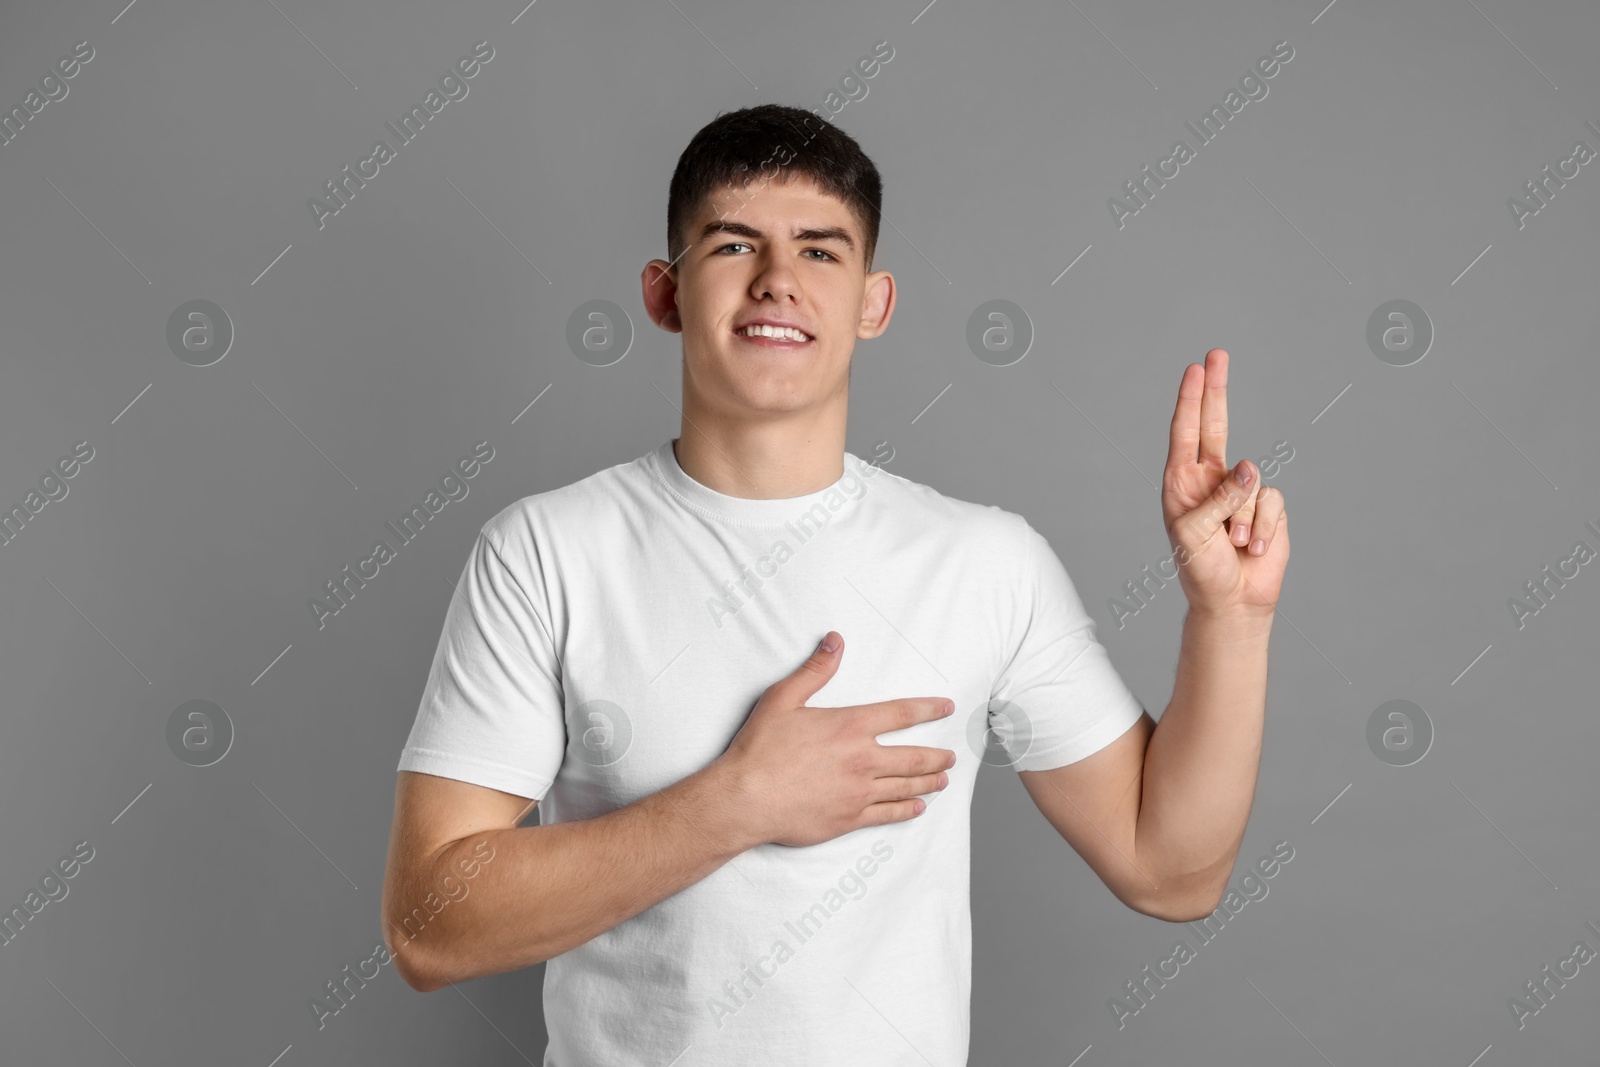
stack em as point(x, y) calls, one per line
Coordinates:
point(544, 889)
point(496, 897)
point(1200, 770)
point(1160, 813)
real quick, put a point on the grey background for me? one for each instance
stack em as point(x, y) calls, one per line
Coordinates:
point(374, 352)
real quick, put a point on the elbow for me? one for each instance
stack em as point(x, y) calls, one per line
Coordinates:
point(1184, 910)
point(1189, 901)
point(422, 973)
point(1185, 905)
point(410, 969)
point(418, 974)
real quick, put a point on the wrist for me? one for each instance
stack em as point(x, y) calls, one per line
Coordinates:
point(1244, 621)
point(734, 797)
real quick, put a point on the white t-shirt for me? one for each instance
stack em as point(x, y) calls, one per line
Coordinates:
point(611, 636)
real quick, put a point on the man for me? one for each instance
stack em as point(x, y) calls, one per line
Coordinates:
point(741, 860)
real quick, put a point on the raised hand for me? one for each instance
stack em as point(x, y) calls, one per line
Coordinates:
point(1231, 540)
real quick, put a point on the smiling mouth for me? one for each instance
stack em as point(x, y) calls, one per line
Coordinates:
point(777, 337)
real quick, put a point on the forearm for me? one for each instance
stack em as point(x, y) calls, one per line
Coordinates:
point(551, 888)
point(1201, 763)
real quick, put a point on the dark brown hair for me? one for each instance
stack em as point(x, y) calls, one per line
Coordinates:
point(772, 142)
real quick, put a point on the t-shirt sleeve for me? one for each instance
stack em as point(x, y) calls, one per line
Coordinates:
point(492, 711)
point(1058, 697)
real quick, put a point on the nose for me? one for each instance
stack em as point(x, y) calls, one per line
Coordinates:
point(776, 279)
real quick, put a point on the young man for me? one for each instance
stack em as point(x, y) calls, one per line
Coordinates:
point(741, 860)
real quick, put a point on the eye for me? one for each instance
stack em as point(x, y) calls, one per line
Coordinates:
point(830, 255)
point(735, 244)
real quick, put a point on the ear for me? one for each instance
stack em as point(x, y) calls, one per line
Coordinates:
point(659, 282)
point(877, 304)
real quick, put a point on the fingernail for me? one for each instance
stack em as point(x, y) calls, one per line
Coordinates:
point(829, 643)
point(944, 780)
point(1241, 533)
point(1259, 547)
point(1241, 473)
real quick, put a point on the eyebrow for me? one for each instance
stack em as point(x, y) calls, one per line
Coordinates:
point(741, 229)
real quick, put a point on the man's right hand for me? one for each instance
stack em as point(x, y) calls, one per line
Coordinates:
point(809, 775)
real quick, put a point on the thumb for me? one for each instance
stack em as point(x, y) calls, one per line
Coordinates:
point(811, 675)
point(1234, 491)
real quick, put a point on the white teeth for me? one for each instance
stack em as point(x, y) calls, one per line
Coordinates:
point(787, 333)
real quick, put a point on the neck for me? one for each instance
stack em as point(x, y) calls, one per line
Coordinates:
point(769, 461)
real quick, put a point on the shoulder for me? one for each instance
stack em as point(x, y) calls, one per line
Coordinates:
point(987, 529)
point(586, 506)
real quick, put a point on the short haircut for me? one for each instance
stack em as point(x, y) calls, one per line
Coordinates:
point(773, 142)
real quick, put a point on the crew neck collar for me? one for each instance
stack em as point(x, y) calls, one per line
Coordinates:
point(837, 498)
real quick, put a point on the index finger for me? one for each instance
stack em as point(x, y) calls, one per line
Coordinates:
point(1214, 411)
point(886, 716)
point(1184, 439)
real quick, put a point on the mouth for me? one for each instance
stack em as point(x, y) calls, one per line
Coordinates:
point(780, 338)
